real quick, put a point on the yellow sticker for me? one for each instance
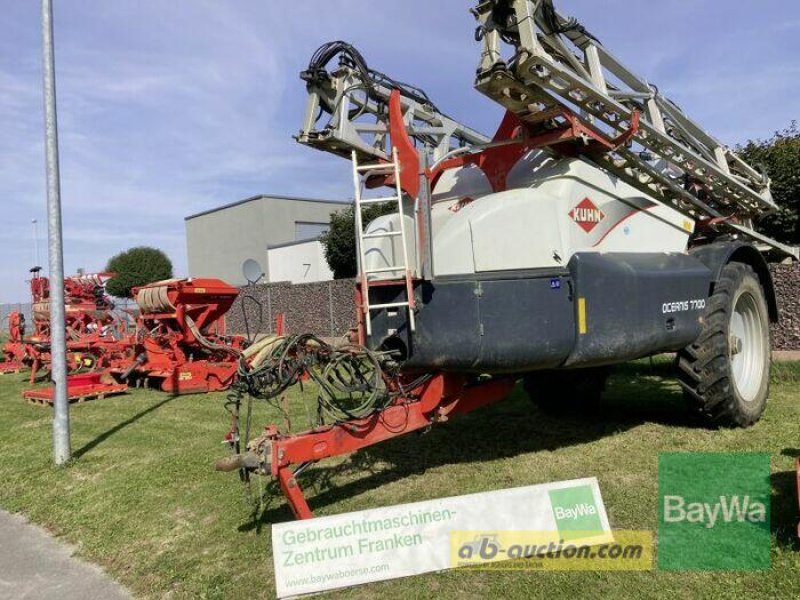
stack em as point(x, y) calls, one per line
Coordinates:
point(200, 290)
point(185, 376)
point(582, 316)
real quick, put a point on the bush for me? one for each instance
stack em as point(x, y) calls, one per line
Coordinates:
point(780, 157)
point(137, 267)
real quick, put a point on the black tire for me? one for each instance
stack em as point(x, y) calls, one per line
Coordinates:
point(709, 371)
point(567, 391)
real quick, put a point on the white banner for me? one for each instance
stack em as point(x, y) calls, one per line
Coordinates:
point(397, 541)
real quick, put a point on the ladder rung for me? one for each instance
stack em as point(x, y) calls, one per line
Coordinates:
point(378, 200)
point(372, 236)
point(378, 167)
point(390, 305)
point(384, 270)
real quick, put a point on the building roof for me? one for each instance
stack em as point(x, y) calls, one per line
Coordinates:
point(265, 197)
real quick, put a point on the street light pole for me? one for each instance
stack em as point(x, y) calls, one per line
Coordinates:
point(35, 242)
point(58, 352)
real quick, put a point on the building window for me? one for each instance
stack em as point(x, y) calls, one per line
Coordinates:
point(304, 230)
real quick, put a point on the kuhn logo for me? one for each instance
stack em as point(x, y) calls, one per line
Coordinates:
point(729, 509)
point(574, 512)
point(587, 215)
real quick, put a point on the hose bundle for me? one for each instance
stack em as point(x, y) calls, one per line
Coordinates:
point(349, 378)
point(351, 57)
point(350, 381)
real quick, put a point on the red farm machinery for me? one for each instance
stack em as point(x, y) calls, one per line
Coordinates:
point(599, 224)
point(180, 347)
point(95, 330)
point(176, 343)
point(96, 336)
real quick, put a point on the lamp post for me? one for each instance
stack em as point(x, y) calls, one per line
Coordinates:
point(35, 223)
point(58, 348)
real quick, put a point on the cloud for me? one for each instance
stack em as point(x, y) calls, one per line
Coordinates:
point(170, 108)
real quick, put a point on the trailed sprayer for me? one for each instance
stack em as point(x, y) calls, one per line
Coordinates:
point(599, 224)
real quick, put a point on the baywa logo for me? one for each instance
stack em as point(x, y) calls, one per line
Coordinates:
point(714, 511)
point(575, 512)
point(729, 509)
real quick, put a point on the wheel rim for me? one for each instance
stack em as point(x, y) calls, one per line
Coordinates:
point(747, 347)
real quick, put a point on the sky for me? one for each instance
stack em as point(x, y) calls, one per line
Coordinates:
point(170, 108)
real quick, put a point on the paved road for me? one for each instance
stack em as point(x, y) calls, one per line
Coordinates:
point(33, 565)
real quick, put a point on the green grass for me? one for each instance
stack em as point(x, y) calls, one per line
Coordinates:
point(141, 498)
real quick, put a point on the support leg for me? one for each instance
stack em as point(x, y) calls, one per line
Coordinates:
point(294, 495)
point(34, 370)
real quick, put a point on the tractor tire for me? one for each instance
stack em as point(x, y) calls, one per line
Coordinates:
point(725, 373)
point(567, 391)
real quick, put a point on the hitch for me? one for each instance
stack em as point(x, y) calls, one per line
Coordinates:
point(247, 461)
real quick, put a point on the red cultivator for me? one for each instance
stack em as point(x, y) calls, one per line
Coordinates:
point(96, 336)
point(95, 332)
point(178, 347)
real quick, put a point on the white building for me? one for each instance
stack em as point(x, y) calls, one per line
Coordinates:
point(298, 262)
point(279, 232)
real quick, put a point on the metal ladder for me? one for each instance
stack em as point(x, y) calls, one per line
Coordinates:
point(385, 168)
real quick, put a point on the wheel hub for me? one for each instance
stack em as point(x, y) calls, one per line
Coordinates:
point(736, 345)
point(747, 347)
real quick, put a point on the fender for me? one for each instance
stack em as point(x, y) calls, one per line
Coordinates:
point(718, 254)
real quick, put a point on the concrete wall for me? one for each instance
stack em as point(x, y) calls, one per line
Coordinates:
point(302, 262)
point(786, 334)
point(326, 308)
point(219, 241)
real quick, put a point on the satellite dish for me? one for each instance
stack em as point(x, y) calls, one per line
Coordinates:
point(252, 271)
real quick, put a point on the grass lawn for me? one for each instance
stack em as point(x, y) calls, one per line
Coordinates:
point(141, 498)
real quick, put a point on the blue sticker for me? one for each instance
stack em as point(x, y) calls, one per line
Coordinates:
point(555, 284)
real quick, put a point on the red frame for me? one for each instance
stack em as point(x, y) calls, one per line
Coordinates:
point(80, 387)
point(514, 138)
point(443, 396)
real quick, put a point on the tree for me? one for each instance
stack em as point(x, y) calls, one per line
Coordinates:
point(136, 267)
point(340, 239)
point(780, 157)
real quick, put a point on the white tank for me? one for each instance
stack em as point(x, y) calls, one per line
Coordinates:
point(553, 208)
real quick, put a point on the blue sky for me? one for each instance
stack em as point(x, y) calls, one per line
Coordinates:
point(170, 108)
